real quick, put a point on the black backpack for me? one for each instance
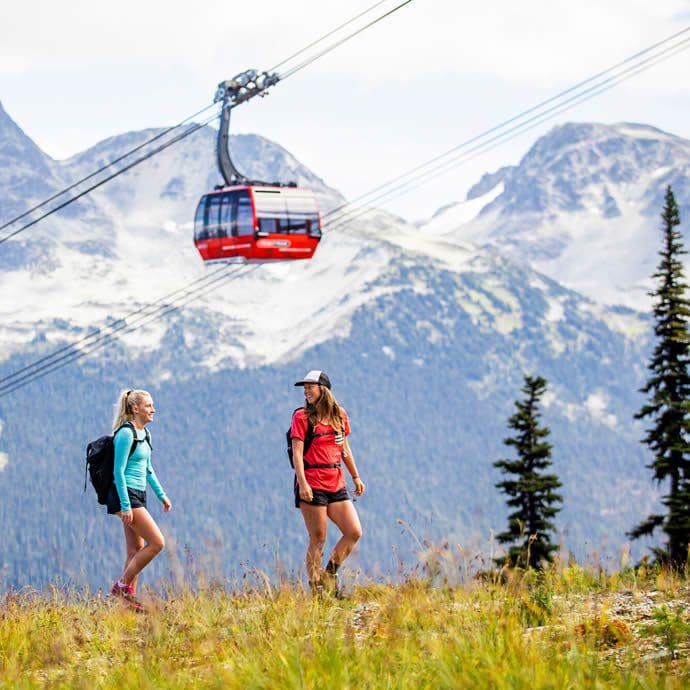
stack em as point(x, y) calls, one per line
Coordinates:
point(100, 461)
point(308, 438)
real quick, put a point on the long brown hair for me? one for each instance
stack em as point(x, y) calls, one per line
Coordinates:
point(326, 409)
point(124, 406)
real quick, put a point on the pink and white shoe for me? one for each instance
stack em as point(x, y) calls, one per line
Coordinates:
point(126, 594)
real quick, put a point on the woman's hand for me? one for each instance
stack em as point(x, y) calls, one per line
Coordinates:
point(127, 516)
point(167, 505)
point(359, 486)
point(305, 492)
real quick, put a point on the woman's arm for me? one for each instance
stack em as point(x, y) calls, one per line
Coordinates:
point(122, 444)
point(351, 465)
point(305, 491)
point(152, 479)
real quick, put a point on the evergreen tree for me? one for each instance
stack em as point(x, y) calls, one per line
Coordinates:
point(532, 492)
point(669, 389)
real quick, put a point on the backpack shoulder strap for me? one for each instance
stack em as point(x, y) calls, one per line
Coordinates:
point(135, 440)
point(310, 428)
point(309, 436)
point(125, 425)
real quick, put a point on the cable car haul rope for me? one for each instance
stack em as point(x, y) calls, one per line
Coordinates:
point(277, 216)
point(280, 209)
point(191, 130)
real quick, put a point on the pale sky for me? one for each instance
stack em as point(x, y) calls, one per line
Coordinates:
point(432, 75)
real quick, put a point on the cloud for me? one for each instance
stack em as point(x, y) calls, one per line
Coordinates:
point(429, 76)
point(4, 459)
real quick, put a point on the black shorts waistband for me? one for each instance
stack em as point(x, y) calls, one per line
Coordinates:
point(137, 499)
point(321, 497)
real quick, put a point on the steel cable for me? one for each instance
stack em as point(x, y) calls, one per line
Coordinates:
point(19, 378)
point(121, 327)
point(518, 122)
point(103, 168)
point(179, 137)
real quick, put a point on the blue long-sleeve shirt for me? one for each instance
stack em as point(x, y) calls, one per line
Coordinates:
point(134, 471)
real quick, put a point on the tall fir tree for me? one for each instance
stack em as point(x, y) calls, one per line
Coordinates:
point(532, 492)
point(668, 389)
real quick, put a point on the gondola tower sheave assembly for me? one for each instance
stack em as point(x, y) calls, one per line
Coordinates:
point(248, 220)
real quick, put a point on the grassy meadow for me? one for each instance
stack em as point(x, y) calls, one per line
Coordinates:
point(569, 627)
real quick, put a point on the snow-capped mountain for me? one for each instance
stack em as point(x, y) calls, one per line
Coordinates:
point(426, 333)
point(127, 243)
point(582, 207)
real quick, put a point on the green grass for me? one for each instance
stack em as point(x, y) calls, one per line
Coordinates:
point(566, 628)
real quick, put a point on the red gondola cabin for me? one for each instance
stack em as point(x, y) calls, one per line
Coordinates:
point(256, 224)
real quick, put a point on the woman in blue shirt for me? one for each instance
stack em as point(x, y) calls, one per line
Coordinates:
point(127, 497)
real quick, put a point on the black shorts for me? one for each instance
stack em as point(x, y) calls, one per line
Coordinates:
point(321, 498)
point(137, 499)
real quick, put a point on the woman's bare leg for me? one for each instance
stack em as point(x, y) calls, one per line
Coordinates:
point(144, 526)
point(134, 544)
point(315, 520)
point(345, 517)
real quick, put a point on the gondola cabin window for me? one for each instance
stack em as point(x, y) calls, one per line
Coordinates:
point(256, 224)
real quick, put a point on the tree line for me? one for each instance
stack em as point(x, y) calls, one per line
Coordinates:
point(530, 486)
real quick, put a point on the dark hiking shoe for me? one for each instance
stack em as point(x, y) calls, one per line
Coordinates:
point(331, 584)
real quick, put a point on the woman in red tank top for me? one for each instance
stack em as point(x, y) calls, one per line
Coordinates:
point(320, 488)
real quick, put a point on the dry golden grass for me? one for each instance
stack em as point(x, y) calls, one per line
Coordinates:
point(565, 628)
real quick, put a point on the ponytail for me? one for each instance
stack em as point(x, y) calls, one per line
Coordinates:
point(124, 405)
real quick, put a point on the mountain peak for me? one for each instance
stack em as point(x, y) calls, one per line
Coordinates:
point(582, 206)
point(26, 173)
point(593, 143)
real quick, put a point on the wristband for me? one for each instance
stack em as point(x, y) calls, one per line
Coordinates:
point(355, 476)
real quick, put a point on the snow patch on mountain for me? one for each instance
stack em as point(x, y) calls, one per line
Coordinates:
point(582, 207)
point(277, 311)
point(556, 310)
point(129, 243)
point(131, 246)
point(453, 216)
point(593, 407)
point(597, 404)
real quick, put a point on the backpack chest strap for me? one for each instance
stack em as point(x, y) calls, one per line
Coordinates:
point(324, 433)
point(135, 440)
point(318, 466)
point(321, 466)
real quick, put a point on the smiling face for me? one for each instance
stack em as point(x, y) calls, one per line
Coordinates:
point(143, 410)
point(312, 392)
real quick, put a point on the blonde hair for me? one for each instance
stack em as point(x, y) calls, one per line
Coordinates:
point(124, 406)
point(326, 409)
